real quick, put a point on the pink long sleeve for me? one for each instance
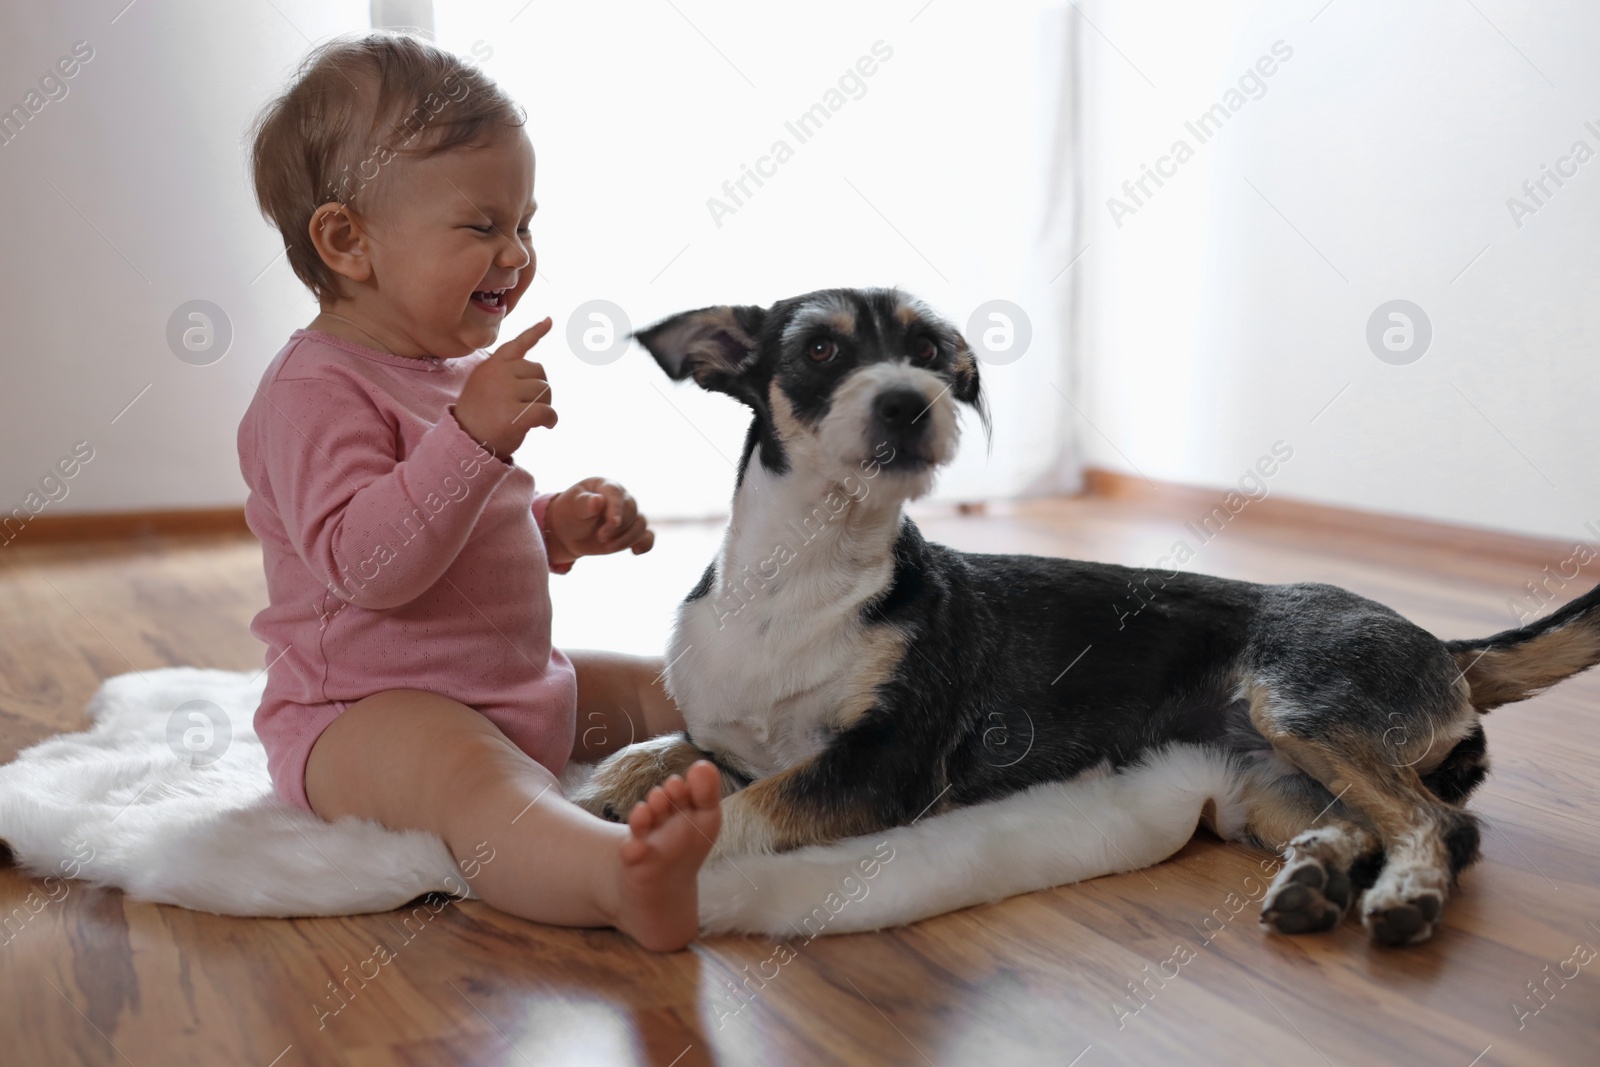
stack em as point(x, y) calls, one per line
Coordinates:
point(376, 530)
point(541, 505)
point(398, 553)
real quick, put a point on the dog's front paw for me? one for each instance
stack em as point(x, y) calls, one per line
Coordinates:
point(627, 777)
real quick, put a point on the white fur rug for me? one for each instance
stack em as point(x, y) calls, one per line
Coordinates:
point(129, 804)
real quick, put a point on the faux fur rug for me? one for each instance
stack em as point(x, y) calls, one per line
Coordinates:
point(167, 798)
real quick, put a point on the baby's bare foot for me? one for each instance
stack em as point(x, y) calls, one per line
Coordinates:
point(672, 831)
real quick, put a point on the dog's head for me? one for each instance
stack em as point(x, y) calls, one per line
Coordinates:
point(839, 379)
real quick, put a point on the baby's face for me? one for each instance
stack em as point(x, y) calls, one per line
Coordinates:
point(450, 248)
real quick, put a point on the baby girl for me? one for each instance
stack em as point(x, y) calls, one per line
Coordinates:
point(411, 677)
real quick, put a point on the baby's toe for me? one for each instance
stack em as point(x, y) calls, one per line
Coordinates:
point(677, 790)
point(704, 784)
point(642, 819)
point(660, 803)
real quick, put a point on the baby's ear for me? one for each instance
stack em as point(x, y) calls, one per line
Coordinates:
point(715, 345)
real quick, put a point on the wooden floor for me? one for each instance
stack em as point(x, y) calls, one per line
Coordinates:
point(98, 979)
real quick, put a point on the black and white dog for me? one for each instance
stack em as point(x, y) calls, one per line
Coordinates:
point(848, 676)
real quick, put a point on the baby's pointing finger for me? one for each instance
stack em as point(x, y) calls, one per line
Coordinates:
point(518, 346)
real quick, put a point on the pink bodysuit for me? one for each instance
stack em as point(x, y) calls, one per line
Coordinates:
point(399, 554)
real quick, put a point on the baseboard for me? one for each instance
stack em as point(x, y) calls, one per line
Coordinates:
point(1098, 482)
point(124, 525)
point(1330, 518)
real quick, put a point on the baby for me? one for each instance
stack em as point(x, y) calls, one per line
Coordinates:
point(411, 679)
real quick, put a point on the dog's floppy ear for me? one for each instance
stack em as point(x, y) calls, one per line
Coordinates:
point(713, 344)
point(968, 389)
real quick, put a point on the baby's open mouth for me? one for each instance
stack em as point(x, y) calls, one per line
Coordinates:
point(491, 300)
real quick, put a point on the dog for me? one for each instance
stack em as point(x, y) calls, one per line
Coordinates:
point(847, 676)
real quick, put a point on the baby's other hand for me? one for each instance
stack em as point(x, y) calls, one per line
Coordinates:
point(595, 517)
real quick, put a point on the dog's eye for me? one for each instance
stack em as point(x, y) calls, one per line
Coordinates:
point(822, 350)
point(925, 350)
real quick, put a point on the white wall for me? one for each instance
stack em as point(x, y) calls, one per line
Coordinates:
point(638, 116)
point(146, 146)
point(1391, 141)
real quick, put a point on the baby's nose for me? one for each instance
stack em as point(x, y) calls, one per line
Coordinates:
point(517, 254)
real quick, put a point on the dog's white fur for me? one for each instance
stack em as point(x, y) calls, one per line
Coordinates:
point(763, 665)
point(211, 838)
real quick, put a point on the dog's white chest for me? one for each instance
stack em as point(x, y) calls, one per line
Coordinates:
point(774, 659)
point(765, 684)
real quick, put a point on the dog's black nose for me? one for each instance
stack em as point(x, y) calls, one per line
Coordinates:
point(900, 409)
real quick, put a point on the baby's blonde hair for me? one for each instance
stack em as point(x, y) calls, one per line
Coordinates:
point(356, 104)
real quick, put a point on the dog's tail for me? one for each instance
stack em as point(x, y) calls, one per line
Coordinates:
point(1517, 664)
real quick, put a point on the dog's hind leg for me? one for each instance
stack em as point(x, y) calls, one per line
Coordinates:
point(1328, 855)
point(1426, 842)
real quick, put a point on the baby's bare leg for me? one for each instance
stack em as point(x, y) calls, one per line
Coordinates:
point(621, 699)
point(415, 760)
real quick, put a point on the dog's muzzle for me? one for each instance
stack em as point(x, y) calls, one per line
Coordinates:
point(901, 418)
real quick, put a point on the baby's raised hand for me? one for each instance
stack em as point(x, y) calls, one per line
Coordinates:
point(505, 396)
point(594, 517)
